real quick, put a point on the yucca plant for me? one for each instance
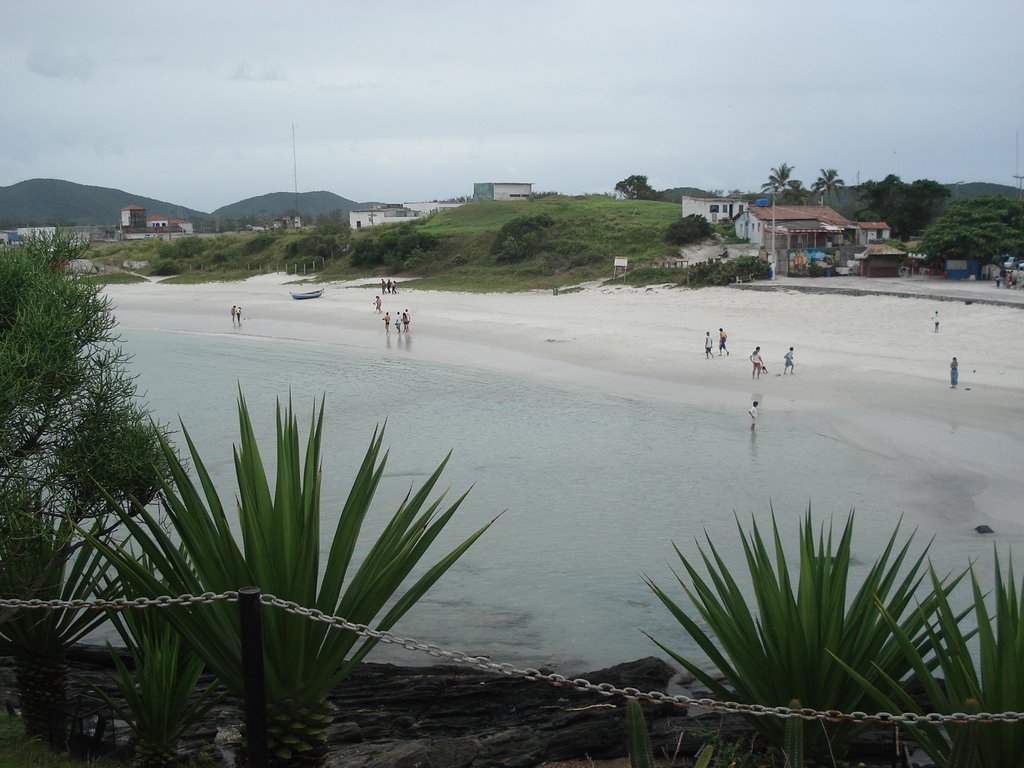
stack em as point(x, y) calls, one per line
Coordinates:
point(280, 552)
point(780, 651)
point(46, 560)
point(992, 681)
point(160, 695)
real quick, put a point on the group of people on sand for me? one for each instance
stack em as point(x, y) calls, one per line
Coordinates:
point(236, 315)
point(388, 286)
point(401, 322)
point(760, 367)
point(755, 356)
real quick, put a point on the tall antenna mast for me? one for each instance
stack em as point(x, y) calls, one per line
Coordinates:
point(295, 173)
point(1017, 176)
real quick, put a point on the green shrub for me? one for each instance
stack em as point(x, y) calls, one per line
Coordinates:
point(520, 237)
point(806, 617)
point(689, 229)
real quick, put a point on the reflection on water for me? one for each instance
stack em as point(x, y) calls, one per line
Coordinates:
point(595, 488)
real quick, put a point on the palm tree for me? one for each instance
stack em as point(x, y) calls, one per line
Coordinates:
point(280, 551)
point(796, 192)
point(778, 178)
point(828, 183)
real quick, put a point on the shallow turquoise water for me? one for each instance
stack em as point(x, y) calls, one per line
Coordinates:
point(593, 489)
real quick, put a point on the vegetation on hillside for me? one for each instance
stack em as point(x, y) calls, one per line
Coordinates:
point(497, 245)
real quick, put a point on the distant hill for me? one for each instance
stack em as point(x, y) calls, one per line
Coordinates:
point(39, 202)
point(277, 203)
point(975, 188)
point(50, 201)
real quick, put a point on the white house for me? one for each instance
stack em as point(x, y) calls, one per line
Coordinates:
point(869, 232)
point(392, 213)
point(714, 209)
point(502, 190)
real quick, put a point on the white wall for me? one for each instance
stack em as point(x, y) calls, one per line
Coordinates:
point(512, 191)
point(713, 209)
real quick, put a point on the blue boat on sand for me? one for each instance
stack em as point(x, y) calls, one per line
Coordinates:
point(298, 295)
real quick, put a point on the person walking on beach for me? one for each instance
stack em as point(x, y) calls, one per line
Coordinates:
point(234, 314)
point(378, 302)
point(383, 286)
point(722, 337)
point(753, 415)
point(788, 362)
point(708, 345)
point(387, 323)
point(954, 374)
point(755, 359)
point(405, 320)
point(935, 319)
point(238, 314)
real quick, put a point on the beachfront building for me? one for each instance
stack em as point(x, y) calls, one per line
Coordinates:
point(502, 190)
point(869, 232)
point(794, 236)
point(714, 209)
point(136, 225)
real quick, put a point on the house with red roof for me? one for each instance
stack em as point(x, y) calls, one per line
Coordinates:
point(136, 225)
point(795, 235)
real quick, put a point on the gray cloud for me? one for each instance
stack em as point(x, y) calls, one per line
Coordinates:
point(424, 99)
point(50, 62)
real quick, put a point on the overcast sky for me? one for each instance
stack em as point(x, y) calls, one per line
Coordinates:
point(193, 102)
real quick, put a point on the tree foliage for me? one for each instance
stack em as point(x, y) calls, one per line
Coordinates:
point(984, 227)
point(636, 187)
point(828, 184)
point(399, 246)
point(689, 229)
point(521, 237)
point(907, 208)
point(75, 445)
point(778, 178)
point(70, 424)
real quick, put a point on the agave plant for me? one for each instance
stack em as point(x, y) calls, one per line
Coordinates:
point(280, 551)
point(160, 695)
point(783, 652)
point(990, 681)
point(37, 564)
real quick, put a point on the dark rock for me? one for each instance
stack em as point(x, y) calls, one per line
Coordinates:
point(983, 529)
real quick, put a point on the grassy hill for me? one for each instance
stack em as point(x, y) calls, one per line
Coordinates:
point(492, 246)
point(39, 202)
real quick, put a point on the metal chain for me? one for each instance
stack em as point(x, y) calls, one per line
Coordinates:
point(528, 673)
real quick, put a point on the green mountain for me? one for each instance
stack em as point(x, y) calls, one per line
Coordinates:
point(39, 202)
point(269, 207)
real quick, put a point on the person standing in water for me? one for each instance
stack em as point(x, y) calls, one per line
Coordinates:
point(387, 323)
point(753, 415)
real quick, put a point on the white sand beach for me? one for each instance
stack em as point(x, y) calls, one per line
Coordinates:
point(871, 365)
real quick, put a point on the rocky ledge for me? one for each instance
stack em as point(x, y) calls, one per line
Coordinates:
point(390, 716)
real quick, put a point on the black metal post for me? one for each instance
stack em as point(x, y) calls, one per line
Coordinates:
point(253, 681)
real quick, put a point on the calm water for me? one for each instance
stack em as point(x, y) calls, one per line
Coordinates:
point(594, 489)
